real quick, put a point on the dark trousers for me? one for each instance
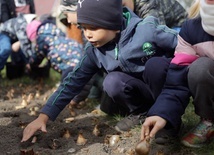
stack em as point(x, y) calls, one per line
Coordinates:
point(201, 84)
point(18, 57)
point(127, 94)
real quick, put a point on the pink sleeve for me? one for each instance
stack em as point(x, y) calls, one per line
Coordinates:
point(184, 53)
point(183, 59)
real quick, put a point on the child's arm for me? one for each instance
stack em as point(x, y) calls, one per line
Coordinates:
point(20, 30)
point(16, 46)
point(70, 87)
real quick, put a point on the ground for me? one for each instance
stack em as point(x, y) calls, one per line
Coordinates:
point(62, 136)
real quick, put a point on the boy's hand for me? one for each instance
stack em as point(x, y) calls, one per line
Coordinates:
point(151, 126)
point(37, 124)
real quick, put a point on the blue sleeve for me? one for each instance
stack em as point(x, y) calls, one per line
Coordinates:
point(70, 87)
point(174, 97)
point(164, 38)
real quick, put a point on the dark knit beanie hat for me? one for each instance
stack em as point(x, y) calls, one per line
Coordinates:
point(102, 13)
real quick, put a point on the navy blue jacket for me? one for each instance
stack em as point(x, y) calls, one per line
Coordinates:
point(174, 98)
point(138, 41)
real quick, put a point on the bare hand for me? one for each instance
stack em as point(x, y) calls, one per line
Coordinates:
point(37, 124)
point(151, 126)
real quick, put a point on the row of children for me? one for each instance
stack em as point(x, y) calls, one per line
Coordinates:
point(142, 8)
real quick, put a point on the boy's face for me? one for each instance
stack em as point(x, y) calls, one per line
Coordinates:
point(128, 3)
point(98, 36)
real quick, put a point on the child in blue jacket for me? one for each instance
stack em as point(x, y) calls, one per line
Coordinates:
point(120, 43)
point(190, 73)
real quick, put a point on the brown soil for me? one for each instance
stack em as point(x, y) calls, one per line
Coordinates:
point(13, 118)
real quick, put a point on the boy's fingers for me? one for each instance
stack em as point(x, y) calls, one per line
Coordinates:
point(147, 131)
point(27, 133)
point(154, 130)
point(142, 133)
point(25, 137)
point(43, 129)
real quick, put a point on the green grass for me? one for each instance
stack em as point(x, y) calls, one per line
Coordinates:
point(54, 77)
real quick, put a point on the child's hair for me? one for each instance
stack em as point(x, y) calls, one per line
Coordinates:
point(194, 10)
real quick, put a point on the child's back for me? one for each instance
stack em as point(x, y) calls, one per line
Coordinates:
point(53, 44)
